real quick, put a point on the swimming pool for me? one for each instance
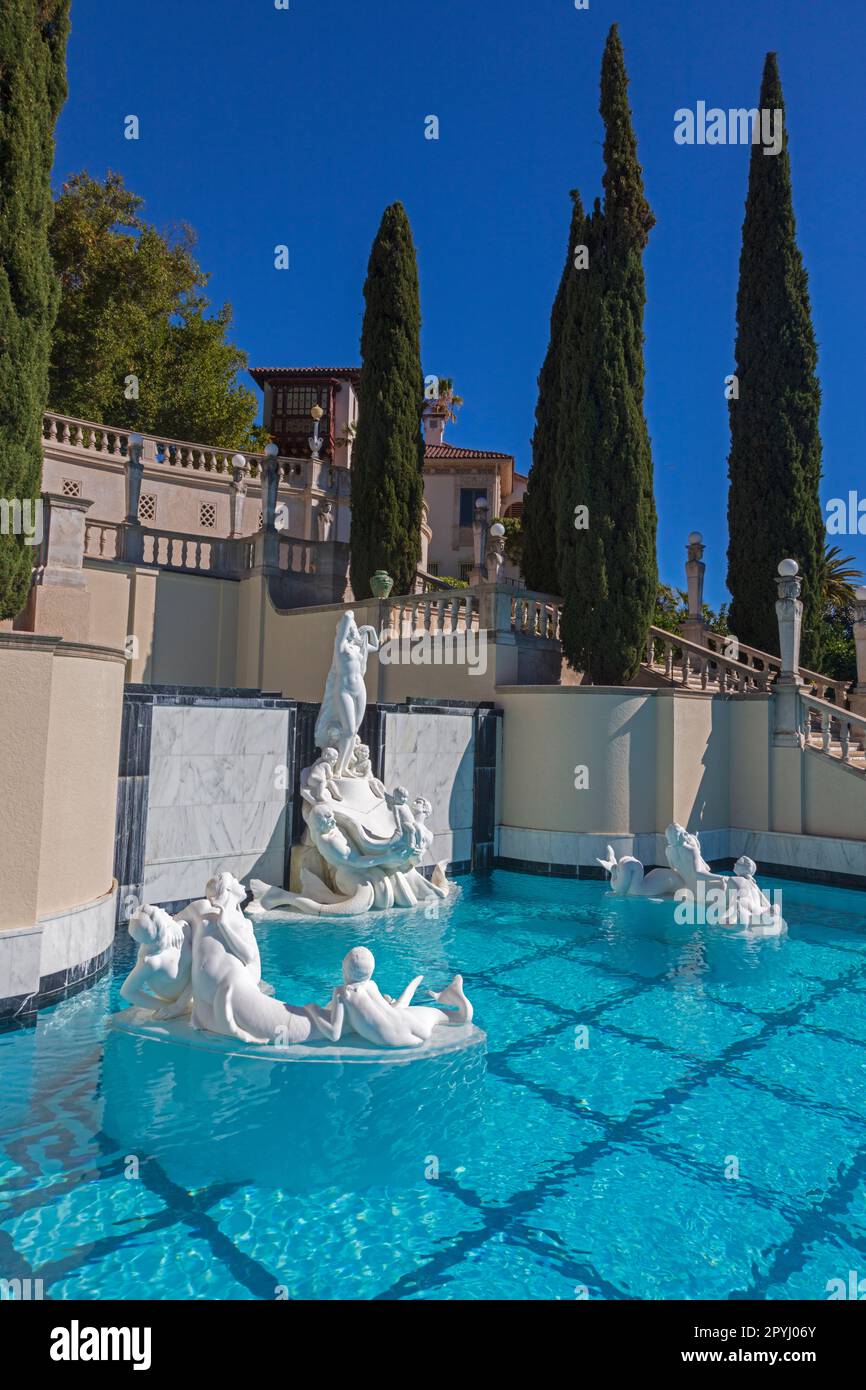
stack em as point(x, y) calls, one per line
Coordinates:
point(536, 1167)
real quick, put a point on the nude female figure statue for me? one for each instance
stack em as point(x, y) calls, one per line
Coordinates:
point(345, 698)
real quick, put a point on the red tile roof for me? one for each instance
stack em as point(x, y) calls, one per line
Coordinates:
point(451, 451)
point(262, 374)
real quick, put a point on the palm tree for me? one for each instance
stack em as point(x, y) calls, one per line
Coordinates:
point(447, 403)
point(839, 582)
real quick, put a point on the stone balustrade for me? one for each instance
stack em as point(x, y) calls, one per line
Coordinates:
point(836, 731)
point(753, 656)
point(702, 669)
point(90, 440)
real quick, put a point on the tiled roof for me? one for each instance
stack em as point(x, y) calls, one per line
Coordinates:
point(261, 374)
point(451, 451)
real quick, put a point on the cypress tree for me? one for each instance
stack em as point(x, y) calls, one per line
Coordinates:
point(33, 37)
point(774, 466)
point(388, 457)
point(539, 560)
point(609, 577)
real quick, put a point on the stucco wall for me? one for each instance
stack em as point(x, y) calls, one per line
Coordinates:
point(59, 742)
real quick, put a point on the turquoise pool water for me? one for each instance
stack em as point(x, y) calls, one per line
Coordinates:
point(534, 1168)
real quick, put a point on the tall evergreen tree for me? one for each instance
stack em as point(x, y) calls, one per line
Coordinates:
point(539, 559)
point(388, 456)
point(774, 467)
point(33, 36)
point(609, 576)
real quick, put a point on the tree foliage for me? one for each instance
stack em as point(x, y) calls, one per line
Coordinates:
point(607, 566)
point(388, 457)
point(33, 36)
point(134, 344)
point(774, 466)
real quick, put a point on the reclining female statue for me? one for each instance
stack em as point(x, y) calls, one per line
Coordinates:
point(358, 1006)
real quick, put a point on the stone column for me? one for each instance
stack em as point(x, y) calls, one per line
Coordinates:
point(131, 540)
point(693, 627)
point(238, 495)
point(786, 698)
point(857, 694)
point(134, 476)
point(58, 601)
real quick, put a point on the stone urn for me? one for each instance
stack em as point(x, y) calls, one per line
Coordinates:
point(381, 584)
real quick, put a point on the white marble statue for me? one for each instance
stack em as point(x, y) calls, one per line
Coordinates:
point(345, 698)
point(362, 847)
point(191, 961)
point(358, 1006)
point(725, 900)
point(160, 978)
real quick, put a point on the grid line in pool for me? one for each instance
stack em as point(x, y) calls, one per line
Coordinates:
point(675, 1016)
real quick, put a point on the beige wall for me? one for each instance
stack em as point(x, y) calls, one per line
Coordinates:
point(80, 807)
point(59, 743)
point(655, 756)
point(185, 625)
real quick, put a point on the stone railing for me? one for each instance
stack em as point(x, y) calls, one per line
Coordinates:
point(448, 610)
point(699, 668)
point(70, 437)
point(753, 656)
point(493, 607)
point(171, 550)
point(835, 731)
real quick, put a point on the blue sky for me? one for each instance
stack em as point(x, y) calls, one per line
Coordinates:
point(262, 126)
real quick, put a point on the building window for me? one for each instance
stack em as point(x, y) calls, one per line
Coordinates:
point(207, 515)
point(468, 497)
point(466, 567)
point(70, 487)
point(433, 568)
point(147, 506)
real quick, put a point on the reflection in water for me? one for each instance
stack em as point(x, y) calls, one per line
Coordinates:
point(281, 1124)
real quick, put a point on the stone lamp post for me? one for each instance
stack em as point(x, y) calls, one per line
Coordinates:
point(693, 626)
point(480, 534)
point(495, 551)
point(270, 483)
point(857, 694)
point(786, 696)
point(315, 440)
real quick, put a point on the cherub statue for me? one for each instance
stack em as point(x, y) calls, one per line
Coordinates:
point(399, 803)
point(358, 1006)
point(321, 780)
point(422, 808)
point(362, 766)
point(160, 978)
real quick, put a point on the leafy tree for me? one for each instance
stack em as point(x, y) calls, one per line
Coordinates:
point(774, 464)
point(134, 345)
point(608, 572)
point(33, 36)
point(388, 457)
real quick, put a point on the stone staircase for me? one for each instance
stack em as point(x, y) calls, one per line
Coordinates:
point(725, 666)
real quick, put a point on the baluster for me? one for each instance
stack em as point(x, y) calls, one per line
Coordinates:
point(826, 732)
point(685, 667)
point(650, 650)
point(669, 661)
point(723, 678)
point(845, 737)
point(702, 665)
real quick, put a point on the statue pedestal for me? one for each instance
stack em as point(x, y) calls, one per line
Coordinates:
point(352, 1049)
